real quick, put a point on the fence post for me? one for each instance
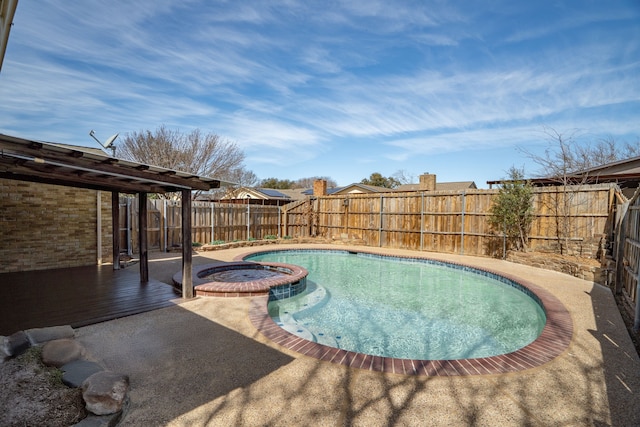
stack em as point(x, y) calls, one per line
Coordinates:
point(165, 225)
point(115, 225)
point(422, 221)
point(279, 219)
point(462, 225)
point(248, 217)
point(381, 221)
point(128, 215)
point(285, 223)
point(346, 215)
point(213, 218)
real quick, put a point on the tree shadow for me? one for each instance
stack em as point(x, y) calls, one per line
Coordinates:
point(585, 385)
point(620, 359)
point(218, 376)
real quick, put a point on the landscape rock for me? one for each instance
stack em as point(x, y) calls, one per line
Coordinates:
point(76, 372)
point(105, 392)
point(15, 344)
point(60, 352)
point(39, 336)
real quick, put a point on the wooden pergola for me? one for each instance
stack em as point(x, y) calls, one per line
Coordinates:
point(70, 166)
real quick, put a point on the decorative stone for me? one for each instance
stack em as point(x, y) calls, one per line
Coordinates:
point(15, 344)
point(38, 336)
point(74, 373)
point(105, 392)
point(60, 352)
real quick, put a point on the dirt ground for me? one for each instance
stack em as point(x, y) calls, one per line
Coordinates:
point(32, 394)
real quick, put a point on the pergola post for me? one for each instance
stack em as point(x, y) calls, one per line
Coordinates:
point(187, 257)
point(142, 237)
point(115, 226)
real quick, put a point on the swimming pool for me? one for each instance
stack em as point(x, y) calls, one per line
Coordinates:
point(405, 308)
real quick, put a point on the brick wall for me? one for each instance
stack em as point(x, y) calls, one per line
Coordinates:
point(46, 226)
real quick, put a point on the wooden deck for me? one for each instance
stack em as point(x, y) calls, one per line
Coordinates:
point(76, 296)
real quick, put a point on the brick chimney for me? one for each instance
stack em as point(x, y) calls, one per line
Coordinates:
point(320, 187)
point(427, 182)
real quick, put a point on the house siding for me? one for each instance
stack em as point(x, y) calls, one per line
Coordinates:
point(47, 226)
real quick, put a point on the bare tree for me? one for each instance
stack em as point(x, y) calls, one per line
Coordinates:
point(404, 177)
point(308, 182)
point(566, 160)
point(241, 177)
point(568, 153)
point(205, 155)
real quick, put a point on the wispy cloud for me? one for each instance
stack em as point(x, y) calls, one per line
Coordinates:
point(296, 82)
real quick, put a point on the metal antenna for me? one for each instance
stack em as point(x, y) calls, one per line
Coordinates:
point(108, 143)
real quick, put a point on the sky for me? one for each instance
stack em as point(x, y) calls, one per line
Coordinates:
point(460, 89)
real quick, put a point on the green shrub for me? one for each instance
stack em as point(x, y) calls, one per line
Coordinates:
point(270, 237)
point(217, 242)
point(196, 244)
point(287, 237)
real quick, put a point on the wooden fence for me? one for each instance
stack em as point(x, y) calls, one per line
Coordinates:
point(573, 220)
point(628, 255)
point(211, 221)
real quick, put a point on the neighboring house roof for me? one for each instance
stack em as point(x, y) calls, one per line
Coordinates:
point(625, 172)
point(620, 167)
point(440, 186)
point(262, 194)
point(356, 188)
point(272, 193)
point(352, 189)
point(294, 194)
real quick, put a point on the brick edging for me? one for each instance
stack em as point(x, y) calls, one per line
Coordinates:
point(553, 341)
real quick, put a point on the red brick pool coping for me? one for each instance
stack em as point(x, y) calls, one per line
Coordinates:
point(241, 288)
point(553, 341)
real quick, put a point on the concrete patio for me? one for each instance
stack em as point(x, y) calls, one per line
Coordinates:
point(201, 362)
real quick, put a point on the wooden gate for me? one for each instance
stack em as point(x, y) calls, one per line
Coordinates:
point(628, 256)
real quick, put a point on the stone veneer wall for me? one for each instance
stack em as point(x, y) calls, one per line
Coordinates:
point(47, 226)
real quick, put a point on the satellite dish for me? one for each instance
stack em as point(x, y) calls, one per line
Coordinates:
point(109, 141)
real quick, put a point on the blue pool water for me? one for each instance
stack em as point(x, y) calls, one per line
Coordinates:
point(411, 309)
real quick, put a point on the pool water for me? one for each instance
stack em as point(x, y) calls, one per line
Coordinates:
point(242, 275)
point(410, 309)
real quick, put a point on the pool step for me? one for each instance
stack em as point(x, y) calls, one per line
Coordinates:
point(314, 297)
